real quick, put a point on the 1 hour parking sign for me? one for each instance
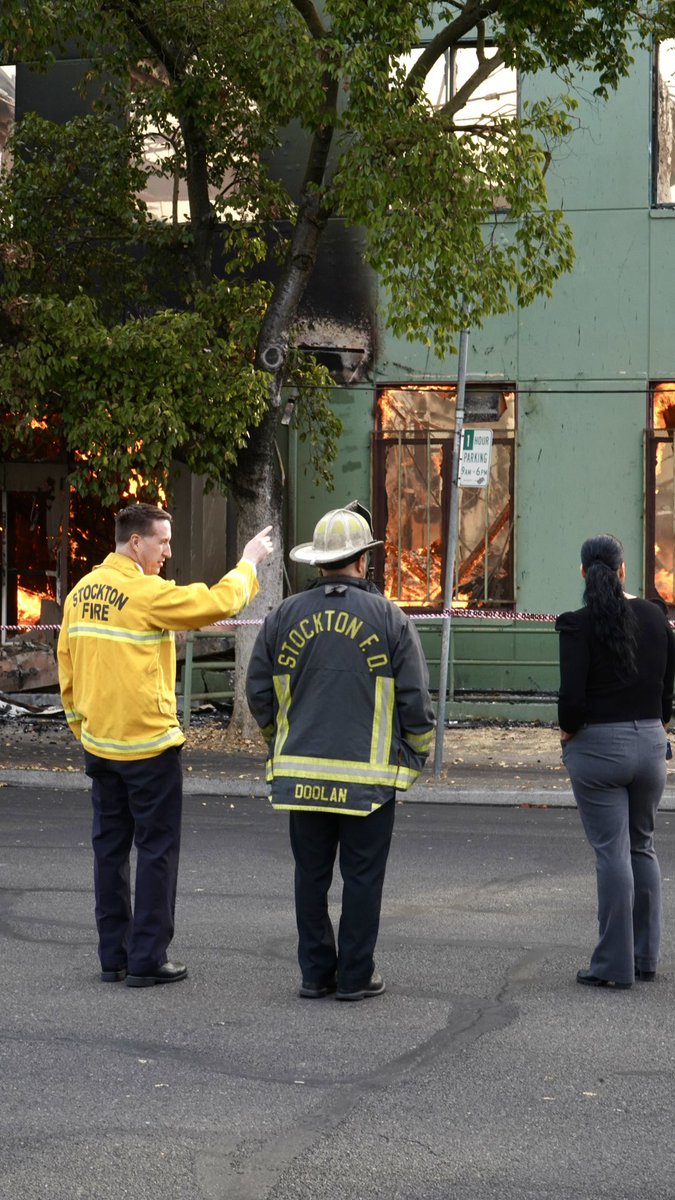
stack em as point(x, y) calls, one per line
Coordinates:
point(474, 459)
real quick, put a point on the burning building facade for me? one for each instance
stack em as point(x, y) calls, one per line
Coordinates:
point(577, 390)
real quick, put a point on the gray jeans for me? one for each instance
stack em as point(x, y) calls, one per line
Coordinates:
point(618, 773)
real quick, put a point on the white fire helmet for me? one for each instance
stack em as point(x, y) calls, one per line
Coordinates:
point(341, 533)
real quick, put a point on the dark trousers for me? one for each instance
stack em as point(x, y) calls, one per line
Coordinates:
point(618, 773)
point(364, 848)
point(135, 803)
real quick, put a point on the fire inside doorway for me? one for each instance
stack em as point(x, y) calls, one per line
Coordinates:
point(49, 538)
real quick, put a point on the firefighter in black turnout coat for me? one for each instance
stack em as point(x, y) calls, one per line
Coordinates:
point(339, 686)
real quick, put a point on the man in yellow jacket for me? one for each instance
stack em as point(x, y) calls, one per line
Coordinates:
point(117, 672)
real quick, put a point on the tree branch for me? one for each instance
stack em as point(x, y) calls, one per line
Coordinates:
point(167, 55)
point(321, 142)
point(310, 16)
point(467, 20)
point(318, 152)
point(483, 71)
point(480, 44)
point(275, 333)
point(202, 217)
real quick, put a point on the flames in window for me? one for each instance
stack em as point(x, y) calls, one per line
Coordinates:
point(663, 409)
point(29, 605)
point(663, 400)
point(30, 554)
point(413, 447)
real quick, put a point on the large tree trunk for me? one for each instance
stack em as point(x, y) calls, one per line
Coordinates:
point(259, 498)
point(257, 485)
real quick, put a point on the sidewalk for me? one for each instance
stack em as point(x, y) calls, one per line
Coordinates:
point(484, 765)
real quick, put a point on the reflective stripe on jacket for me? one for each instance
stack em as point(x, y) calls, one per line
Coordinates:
point(338, 683)
point(117, 654)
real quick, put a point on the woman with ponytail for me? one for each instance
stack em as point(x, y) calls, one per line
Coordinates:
point(617, 662)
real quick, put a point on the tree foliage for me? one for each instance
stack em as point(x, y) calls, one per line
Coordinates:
point(142, 338)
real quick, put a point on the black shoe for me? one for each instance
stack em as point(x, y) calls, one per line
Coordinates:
point(592, 980)
point(115, 976)
point(168, 973)
point(644, 976)
point(375, 988)
point(316, 991)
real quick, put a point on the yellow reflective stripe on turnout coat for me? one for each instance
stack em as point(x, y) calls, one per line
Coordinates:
point(117, 654)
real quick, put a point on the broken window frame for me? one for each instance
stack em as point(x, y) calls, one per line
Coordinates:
point(446, 68)
point(442, 440)
point(663, 195)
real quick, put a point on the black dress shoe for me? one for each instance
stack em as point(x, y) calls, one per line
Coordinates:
point(592, 980)
point(644, 976)
point(168, 973)
point(375, 987)
point(315, 991)
point(115, 976)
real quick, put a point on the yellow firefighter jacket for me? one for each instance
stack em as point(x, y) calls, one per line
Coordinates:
point(117, 653)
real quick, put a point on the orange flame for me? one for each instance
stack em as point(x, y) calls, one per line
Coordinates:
point(394, 410)
point(663, 581)
point(136, 484)
point(29, 605)
point(663, 399)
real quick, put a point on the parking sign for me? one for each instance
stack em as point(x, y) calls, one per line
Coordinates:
point(474, 459)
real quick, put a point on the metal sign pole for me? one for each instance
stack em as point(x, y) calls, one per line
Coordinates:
point(451, 551)
point(4, 534)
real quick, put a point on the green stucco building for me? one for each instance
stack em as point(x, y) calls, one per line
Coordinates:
point(576, 391)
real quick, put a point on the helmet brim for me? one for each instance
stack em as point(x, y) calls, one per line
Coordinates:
point(305, 553)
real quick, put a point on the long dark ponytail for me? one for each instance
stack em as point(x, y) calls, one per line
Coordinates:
point(612, 619)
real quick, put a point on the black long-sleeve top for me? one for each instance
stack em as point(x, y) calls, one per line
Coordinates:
point(593, 692)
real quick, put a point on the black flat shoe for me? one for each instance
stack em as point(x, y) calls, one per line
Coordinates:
point(115, 976)
point(168, 973)
point(316, 991)
point(644, 976)
point(591, 980)
point(375, 987)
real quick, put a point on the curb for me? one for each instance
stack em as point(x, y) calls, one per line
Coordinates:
point(197, 785)
point(77, 781)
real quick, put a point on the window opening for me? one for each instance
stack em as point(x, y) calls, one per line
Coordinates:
point(163, 158)
point(660, 540)
point(413, 447)
point(495, 97)
point(664, 123)
point(30, 566)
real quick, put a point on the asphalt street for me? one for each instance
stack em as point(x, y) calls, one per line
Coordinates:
point(484, 1073)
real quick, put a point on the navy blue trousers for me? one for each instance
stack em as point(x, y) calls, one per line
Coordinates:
point(364, 848)
point(135, 803)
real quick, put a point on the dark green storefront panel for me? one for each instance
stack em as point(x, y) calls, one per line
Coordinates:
point(503, 656)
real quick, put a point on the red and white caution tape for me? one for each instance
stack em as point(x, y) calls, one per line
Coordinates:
point(477, 614)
